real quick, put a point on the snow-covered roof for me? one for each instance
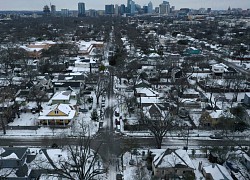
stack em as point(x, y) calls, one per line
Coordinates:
point(11, 156)
point(66, 109)
point(148, 100)
point(62, 95)
point(86, 46)
point(246, 157)
point(216, 114)
point(217, 172)
point(190, 91)
point(153, 55)
point(248, 94)
point(147, 91)
point(176, 157)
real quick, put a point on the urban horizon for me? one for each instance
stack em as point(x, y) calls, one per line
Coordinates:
point(72, 6)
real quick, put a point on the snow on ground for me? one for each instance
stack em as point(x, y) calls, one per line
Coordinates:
point(137, 169)
point(26, 119)
point(204, 162)
point(82, 123)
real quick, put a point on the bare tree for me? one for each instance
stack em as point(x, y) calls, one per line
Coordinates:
point(7, 106)
point(158, 123)
point(101, 87)
point(37, 94)
point(80, 162)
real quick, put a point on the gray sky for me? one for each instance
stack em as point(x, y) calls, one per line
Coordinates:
point(99, 4)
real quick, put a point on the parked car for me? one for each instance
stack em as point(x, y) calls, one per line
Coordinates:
point(216, 136)
point(83, 110)
point(117, 114)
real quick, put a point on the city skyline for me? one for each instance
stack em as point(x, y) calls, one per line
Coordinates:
point(90, 4)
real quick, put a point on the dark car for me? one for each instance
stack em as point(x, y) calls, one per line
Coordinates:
point(83, 110)
point(216, 136)
point(117, 114)
point(119, 177)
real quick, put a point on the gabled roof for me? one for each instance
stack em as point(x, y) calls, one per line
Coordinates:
point(67, 84)
point(62, 95)
point(155, 110)
point(67, 110)
point(171, 159)
point(147, 92)
point(64, 108)
point(63, 77)
point(217, 172)
point(11, 152)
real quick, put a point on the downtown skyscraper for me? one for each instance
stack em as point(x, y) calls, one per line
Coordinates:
point(81, 9)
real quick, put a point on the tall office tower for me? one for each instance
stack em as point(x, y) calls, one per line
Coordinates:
point(132, 7)
point(92, 13)
point(150, 7)
point(46, 10)
point(65, 12)
point(145, 9)
point(53, 10)
point(81, 9)
point(157, 10)
point(164, 8)
point(109, 9)
point(123, 9)
point(129, 6)
point(116, 9)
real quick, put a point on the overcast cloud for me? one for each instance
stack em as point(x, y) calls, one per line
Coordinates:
point(99, 4)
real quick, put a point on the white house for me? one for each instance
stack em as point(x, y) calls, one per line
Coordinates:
point(216, 172)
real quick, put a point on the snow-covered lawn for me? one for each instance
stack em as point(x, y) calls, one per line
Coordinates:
point(82, 123)
point(26, 119)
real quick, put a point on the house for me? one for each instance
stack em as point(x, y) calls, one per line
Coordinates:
point(245, 159)
point(218, 69)
point(146, 96)
point(176, 73)
point(57, 115)
point(211, 118)
point(71, 77)
point(222, 69)
point(155, 112)
point(34, 50)
point(85, 64)
point(216, 172)
point(246, 99)
point(64, 97)
point(13, 163)
point(44, 82)
point(190, 93)
point(192, 51)
point(12, 157)
point(146, 92)
point(150, 71)
point(65, 86)
point(172, 164)
point(86, 47)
